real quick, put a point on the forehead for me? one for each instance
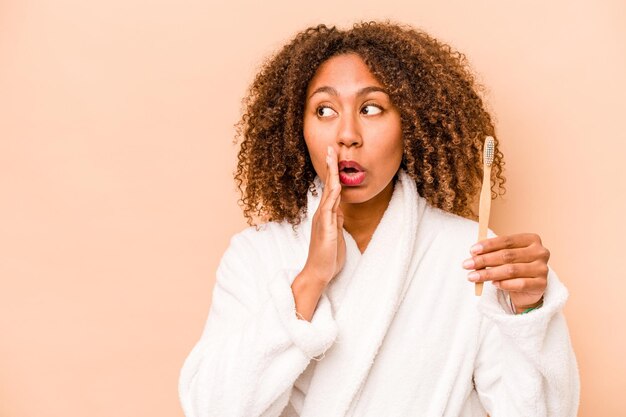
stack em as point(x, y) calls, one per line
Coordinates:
point(346, 73)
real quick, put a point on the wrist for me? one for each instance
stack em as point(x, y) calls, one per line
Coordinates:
point(314, 278)
point(306, 292)
point(522, 309)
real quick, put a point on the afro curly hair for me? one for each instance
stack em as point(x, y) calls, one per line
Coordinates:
point(444, 121)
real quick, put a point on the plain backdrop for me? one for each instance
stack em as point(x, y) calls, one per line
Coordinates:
point(117, 199)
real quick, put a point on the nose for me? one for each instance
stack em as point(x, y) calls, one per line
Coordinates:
point(349, 133)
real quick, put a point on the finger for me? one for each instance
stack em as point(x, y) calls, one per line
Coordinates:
point(327, 178)
point(340, 220)
point(518, 240)
point(334, 218)
point(334, 167)
point(509, 271)
point(333, 177)
point(329, 209)
point(340, 237)
point(337, 201)
point(327, 187)
point(507, 256)
point(525, 285)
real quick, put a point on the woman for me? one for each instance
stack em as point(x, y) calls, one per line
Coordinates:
point(357, 302)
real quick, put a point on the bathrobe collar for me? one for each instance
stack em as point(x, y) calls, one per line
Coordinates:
point(378, 280)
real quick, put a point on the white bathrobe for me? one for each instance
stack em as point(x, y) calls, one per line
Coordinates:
point(398, 332)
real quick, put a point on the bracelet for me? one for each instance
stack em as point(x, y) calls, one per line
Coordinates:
point(529, 309)
point(533, 308)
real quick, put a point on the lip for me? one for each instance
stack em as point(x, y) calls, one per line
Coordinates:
point(351, 178)
point(350, 164)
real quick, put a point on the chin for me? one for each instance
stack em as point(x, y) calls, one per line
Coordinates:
point(356, 195)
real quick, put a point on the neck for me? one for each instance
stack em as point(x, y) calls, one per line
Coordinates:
point(361, 219)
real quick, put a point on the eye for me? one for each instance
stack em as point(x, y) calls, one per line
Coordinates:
point(322, 108)
point(373, 106)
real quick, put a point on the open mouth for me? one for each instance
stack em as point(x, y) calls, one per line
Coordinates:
point(351, 176)
point(351, 173)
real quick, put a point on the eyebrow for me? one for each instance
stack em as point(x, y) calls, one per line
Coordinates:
point(361, 92)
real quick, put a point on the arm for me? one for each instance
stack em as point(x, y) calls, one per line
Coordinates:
point(306, 292)
point(526, 365)
point(253, 346)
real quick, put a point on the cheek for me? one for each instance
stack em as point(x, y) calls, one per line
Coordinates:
point(316, 149)
point(394, 147)
point(397, 143)
point(389, 137)
point(399, 148)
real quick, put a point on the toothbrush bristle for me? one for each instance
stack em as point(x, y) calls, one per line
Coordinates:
point(488, 150)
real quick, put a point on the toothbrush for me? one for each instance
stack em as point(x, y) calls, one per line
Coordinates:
point(485, 197)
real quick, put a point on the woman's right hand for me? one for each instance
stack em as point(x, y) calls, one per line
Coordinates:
point(327, 249)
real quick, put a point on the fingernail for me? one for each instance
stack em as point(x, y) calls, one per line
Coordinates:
point(468, 263)
point(477, 248)
point(327, 160)
point(328, 150)
point(473, 276)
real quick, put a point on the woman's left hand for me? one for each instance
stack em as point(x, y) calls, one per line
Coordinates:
point(518, 264)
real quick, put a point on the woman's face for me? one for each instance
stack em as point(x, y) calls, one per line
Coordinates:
point(348, 109)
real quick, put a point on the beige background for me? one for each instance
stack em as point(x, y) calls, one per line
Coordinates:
point(116, 198)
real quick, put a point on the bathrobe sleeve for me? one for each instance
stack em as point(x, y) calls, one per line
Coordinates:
point(525, 364)
point(253, 347)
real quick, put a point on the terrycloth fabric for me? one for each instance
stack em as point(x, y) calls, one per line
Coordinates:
point(398, 332)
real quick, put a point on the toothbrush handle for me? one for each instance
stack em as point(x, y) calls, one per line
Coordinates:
point(483, 215)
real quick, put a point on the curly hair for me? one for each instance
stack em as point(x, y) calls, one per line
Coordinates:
point(443, 119)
